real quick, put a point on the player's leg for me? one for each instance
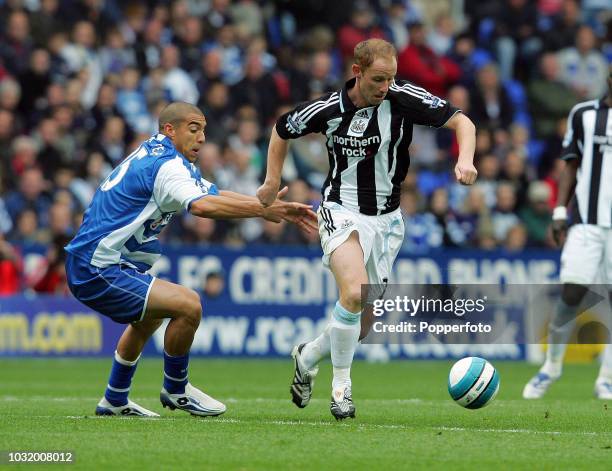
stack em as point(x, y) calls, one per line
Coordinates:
point(560, 328)
point(134, 338)
point(126, 358)
point(335, 226)
point(580, 262)
point(389, 235)
point(120, 293)
point(603, 384)
point(182, 306)
point(347, 265)
point(306, 358)
point(379, 266)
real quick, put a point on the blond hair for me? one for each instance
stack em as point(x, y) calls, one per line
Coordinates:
point(366, 52)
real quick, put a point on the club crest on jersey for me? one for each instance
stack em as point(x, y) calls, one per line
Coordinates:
point(432, 101)
point(360, 122)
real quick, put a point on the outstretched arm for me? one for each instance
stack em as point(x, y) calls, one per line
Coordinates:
point(465, 172)
point(277, 151)
point(224, 206)
point(231, 205)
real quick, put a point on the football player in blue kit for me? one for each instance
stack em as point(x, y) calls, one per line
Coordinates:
point(108, 259)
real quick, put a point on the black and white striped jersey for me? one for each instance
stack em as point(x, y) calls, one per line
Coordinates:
point(589, 139)
point(367, 147)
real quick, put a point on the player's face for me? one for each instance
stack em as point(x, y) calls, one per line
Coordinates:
point(189, 136)
point(374, 82)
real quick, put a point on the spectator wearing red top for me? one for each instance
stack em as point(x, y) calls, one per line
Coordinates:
point(420, 64)
point(50, 275)
point(362, 27)
point(10, 269)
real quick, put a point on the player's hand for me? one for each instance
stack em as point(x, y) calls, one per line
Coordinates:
point(559, 231)
point(268, 192)
point(280, 210)
point(306, 222)
point(465, 173)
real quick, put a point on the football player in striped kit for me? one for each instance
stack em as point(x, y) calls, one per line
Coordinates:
point(587, 245)
point(368, 128)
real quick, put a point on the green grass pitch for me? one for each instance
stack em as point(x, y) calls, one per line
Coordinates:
point(405, 419)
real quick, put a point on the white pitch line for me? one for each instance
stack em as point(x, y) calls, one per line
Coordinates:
point(512, 430)
point(233, 400)
point(230, 400)
point(299, 423)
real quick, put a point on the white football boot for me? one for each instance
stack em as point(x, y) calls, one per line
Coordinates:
point(538, 385)
point(130, 409)
point(603, 389)
point(193, 401)
point(342, 405)
point(303, 379)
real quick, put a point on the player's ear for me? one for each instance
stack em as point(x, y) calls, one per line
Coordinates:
point(169, 130)
point(356, 69)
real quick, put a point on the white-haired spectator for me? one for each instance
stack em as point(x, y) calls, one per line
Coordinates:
point(10, 94)
point(24, 153)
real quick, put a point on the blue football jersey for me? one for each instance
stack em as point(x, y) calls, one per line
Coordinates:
point(134, 204)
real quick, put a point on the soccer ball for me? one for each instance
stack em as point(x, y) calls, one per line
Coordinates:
point(473, 382)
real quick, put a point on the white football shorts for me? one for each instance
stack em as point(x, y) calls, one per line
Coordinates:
point(586, 258)
point(380, 237)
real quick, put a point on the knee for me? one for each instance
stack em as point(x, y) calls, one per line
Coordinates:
point(572, 294)
point(191, 309)
point(351, 299)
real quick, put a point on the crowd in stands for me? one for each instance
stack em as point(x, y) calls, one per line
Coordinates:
point(82, 83)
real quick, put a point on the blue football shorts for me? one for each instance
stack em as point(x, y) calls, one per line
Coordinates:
point(118, 291)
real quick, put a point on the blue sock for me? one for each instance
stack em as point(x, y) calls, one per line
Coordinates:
point(175, 373)
point(120, 381)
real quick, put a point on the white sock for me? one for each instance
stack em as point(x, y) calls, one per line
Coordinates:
point(605, 371)
point(125, 362)
point(317, 349)
point(559, 331)
point(344, 337)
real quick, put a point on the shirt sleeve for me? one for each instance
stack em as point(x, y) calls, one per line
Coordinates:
point(420, 106)
point(307, 117)
point(176, 187)
point(572, 141)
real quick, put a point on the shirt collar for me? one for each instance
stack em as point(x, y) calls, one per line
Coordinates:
point(346, 104)
point(163, 139)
